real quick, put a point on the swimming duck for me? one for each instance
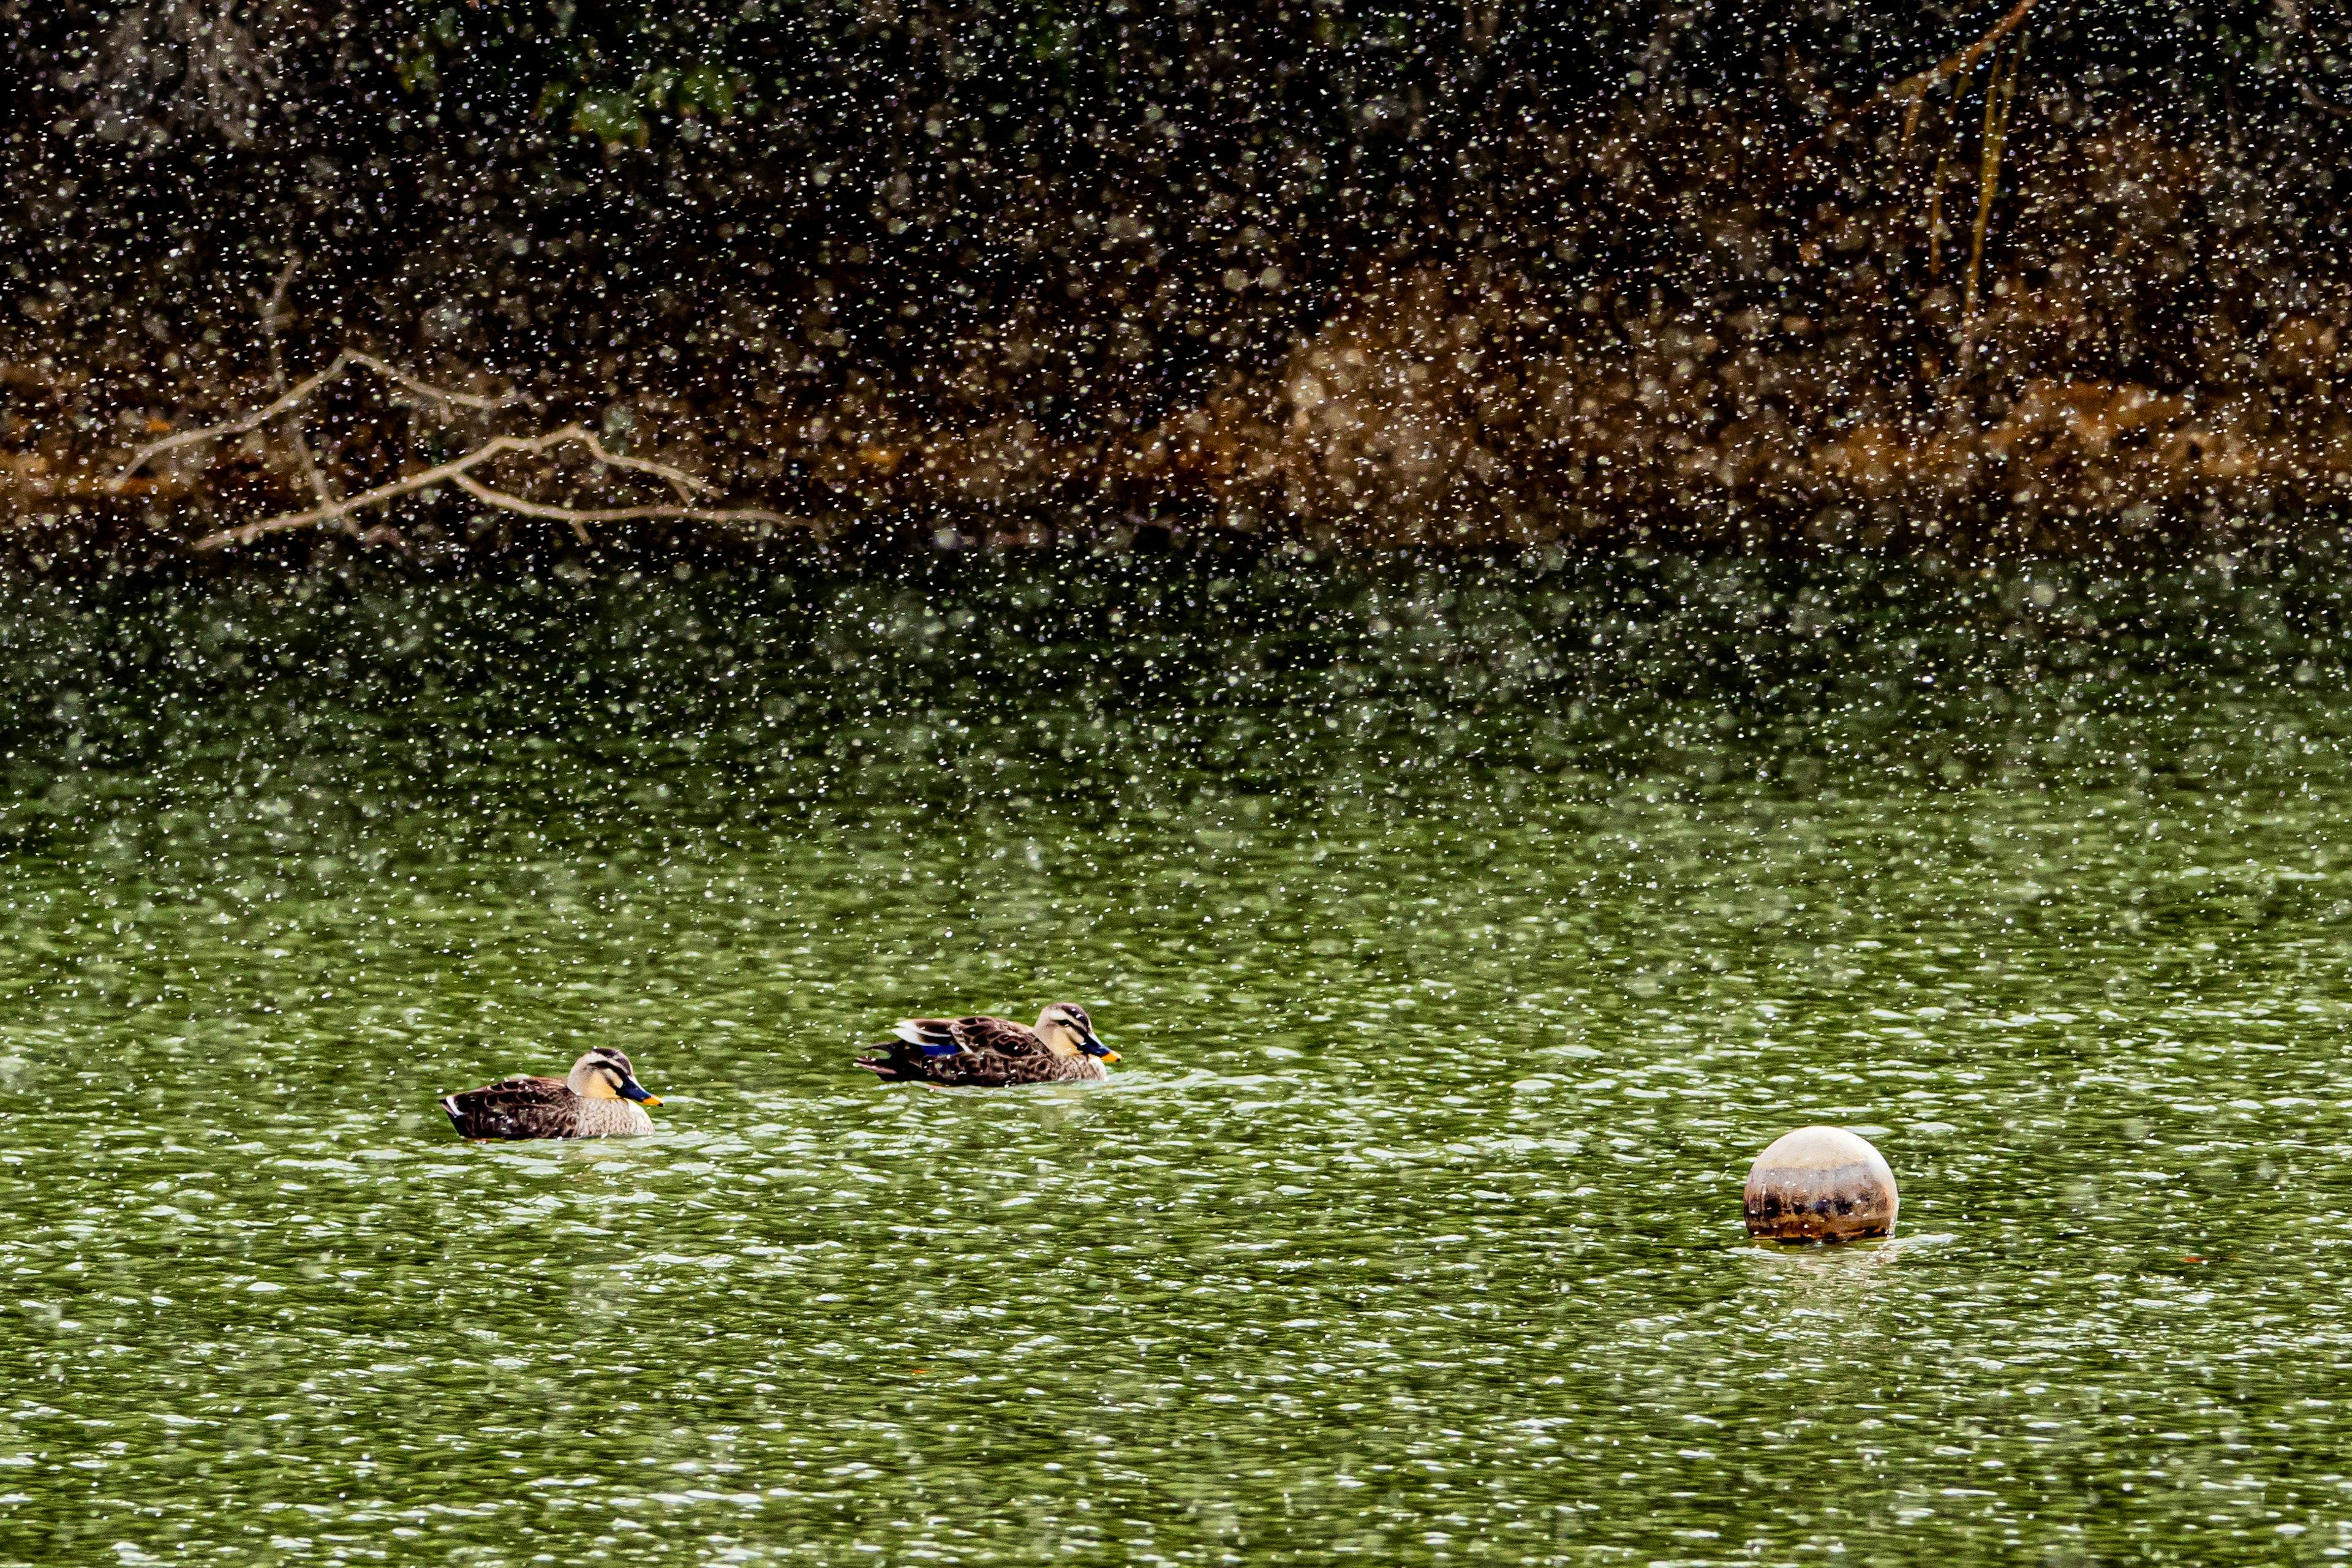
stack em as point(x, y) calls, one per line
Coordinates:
point(989, 1053)
point(595, 1101)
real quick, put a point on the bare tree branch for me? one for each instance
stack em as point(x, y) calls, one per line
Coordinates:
point(455, 471)
point(293, 399)
point(333, 509)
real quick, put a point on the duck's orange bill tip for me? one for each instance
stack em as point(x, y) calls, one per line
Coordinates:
point(653, 1100)
point(1109, 1055)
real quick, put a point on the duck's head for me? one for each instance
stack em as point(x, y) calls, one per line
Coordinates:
point(605, 1074)
point(1068, 1032)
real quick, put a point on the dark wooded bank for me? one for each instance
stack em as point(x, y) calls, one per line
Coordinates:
point(1385, 274)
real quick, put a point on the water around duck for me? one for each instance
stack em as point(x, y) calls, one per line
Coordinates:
point(1463, 940)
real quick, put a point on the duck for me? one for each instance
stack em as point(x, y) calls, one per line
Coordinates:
point(993, 1053)
point(601, 1099)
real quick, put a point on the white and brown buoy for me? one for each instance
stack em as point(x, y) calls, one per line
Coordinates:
point(1819, 1184)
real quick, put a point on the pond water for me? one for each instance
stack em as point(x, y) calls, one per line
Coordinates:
point(1464, 938)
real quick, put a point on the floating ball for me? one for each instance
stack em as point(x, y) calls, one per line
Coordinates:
point(1819, 1184)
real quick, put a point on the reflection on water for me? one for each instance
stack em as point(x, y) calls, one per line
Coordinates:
point(1464, 944)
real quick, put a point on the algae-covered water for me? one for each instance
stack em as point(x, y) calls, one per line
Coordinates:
point(1464, 936)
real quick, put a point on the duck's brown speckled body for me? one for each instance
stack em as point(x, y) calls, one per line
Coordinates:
point(993, 1053)
point(600, 1100)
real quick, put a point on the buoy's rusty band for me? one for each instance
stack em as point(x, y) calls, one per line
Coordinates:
point(1811, 1205)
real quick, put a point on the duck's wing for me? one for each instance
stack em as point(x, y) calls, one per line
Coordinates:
point(1002, 1036)
point(921, 1050)
point(932, 1036)
point(516, 1108)
point(997, 1052)
point(982, 1052)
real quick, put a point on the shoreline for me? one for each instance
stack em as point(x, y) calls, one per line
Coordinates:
point(1444, 410)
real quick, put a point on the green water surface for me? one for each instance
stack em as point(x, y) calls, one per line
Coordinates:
point(1465, 934)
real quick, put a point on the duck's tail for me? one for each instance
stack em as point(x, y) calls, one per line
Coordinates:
point(899, 1063)
point(464, 1117)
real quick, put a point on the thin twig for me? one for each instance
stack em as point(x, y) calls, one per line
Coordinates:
point(1936, 208)
point(482, 492)
point(687, 486)
point(399, 377)
point(1915, 89)
point(2001, 97)
point(1987, 173)
point(2298, 23)
point(293, 398)
point(273, 315)
point(455, 471)
point(2311, 97)
point(578, 517)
